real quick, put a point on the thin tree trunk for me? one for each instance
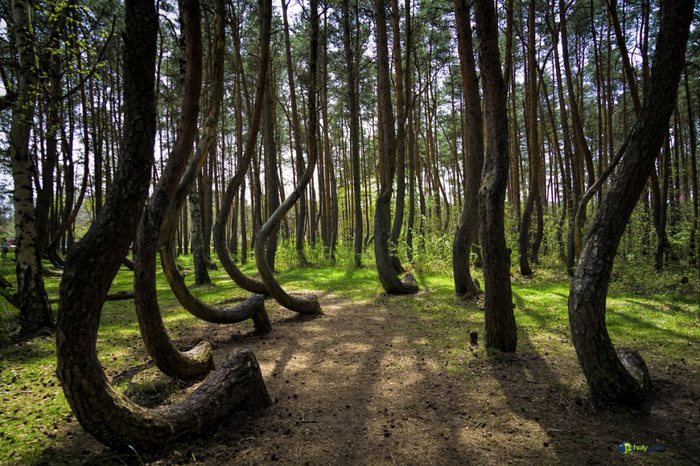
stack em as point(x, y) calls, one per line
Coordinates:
point(296, 133)
point(353, 105)
point(693, 241)
point(199, 258)
point(400, 142)
point(271, 180)
point(533, 143)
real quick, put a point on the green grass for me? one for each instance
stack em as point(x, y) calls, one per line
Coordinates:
point(663, 322)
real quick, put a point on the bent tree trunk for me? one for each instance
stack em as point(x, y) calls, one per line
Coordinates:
point(92, 265)
point(468, 228)
point(387, 166)
point(607, 377)
point(306, 304)
point(499, 319)
point(242, 280)
point(254, 307)
point(160, 347)
point(35, 312)
point(167, 357)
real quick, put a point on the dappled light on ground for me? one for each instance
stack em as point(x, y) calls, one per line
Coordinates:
point(391, 380)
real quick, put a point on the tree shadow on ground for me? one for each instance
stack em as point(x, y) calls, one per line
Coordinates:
point(564, 420)
point(371, 383)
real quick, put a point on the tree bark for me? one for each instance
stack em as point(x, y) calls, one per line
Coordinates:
point(296, 132)
point(271, 177)
point(242, 280)
point(199, 258)
point(306, 304)
point(400, 142)
point(533, 143)
point(468, 228)
point(353, 105)
point(92, 265)
point(387, 165)
point(693, 240)
point(35, 311)
point(608, 379)
point(499, 319)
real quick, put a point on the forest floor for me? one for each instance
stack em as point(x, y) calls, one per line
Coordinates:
point(385, 380)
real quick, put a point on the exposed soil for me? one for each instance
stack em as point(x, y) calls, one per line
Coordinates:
point(359, 386)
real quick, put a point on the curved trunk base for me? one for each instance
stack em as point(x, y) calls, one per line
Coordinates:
point(123, 425)
point(251, 308)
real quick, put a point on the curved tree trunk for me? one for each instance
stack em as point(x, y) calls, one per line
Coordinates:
point(499, 319)
point(92, 265)
point(242, 280)
point(306, 304)
point(468, 228)
point(167, 357)
point(387, 166)
point(607, 377)
point(578, 219)
point(252, 308)
point(35, 312)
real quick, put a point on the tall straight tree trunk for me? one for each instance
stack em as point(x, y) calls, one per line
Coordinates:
point(609, 379)
point(353, 105)
point(533, 144)
point(387, 164)
point(499, 320)
point(581, 152)
point(35, 312)
point(201, 272)
point(401, 100)
point(468, 228)
point(271, 177)
point(331, 189)
point(662, 243)
point(45, 195)
point(296, 132)
point(693, 241)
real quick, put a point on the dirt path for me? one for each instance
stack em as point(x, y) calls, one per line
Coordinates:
point(358, 386)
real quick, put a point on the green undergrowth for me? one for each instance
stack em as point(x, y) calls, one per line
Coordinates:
point(660, 319)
